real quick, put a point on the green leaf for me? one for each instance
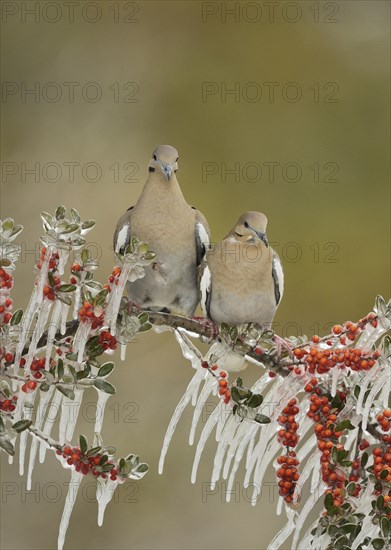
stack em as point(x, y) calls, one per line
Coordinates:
point(88, 224)
point(75, 215)
point(16, 317)
point(233, 333)
point(106, 369)
point(71, 228)
point(336, 402)
point(93, 451)
point(145, 327)
point(51, 278)
point(357, 390)
point(364, 460)
point(255, 400)
point(65, 299)
point(378, 544)
point(143, 318)
point(47, 220)
point(21, 425)
point(44, 387)
point(383, 474)
point(328, 501)
point(67, 288)
point(5, 263)
point(262, 419)
point(60, 213)
point(60, 368)
point(385, 526)
point(7, 446)
point(142, 467)
point(85, 255)
point(380, 502)
point(83, 444)
point(68, 392)
point(104, 386)
point(344, 425)
point(351, 488)
point(239, 382)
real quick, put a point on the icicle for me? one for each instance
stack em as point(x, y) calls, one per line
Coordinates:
point(262, 465)
point(207, 430)
point(386, 391)
point(100, 410)
point(43, 315)
point(28, 410)
point(210, 383)
point(65, 410)
point(64, 317)
point(55, 405)
point(74, 414)
point(77, 302)
point(41, 413)
point(335, 376)
point(115, 298)
point(80, 340)
point(104, 493)
point(279, 506)
point(285, 532)
point(364, 383)
point(310, 503)
point(251, 430)
point(189, 350)
point(230, 428)
point(74, 485)
point(53, 326)
point(123, 351)
point(64, 255)
point(195, 381)
point(304, 475)
point(370, 399)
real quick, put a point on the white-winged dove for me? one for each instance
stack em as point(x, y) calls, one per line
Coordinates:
point(241, 278)
point(177, 233)
point(241, 281)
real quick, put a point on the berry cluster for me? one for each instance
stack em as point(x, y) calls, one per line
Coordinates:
point(36, 366)
point(6, 283)
point(288, 474)
point(382, 462)
point(8, 405)
point(29, 386)
point(114, 277)
point(325, 417)
point(287, 436)
point(53, 259)
point(224, 390)
point(86, 464)
point(54, 282)
point(107, 340)
point(322, 360)
point(94, 315)
point(384, 421)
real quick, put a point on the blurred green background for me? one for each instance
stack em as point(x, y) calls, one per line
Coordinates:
point(161, 71)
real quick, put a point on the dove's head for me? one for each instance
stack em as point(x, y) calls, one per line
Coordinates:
point(164, 161)
point(251, 227)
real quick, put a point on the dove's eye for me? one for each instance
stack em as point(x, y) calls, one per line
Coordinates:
point(154, 157)
point(245, 224)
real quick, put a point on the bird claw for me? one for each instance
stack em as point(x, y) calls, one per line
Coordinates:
point(209, 325)
point(134, 307)
point(281, 343)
